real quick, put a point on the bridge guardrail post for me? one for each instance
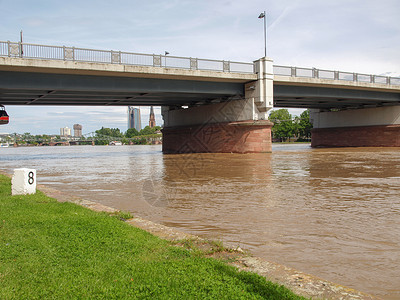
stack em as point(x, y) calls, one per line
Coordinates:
point(226, 66)
point(69, 53)
point(20, 51)
point(293, 71)
point(336, 75)
point(372, 78)
point(355, 77)
point(314, 73)
point(156, 60)
point(193, 63)
point(14, 49)
point(388, 80)
point(115, 57)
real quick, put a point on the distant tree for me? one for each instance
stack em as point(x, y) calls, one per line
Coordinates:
point(141, 141)
point(101, 142)
point(103, 131)
point(304, 125)
point(284, 127)
point(148, 130)
point(111, 132)
point(27, 136)
point(131, 132)
point(116, 132)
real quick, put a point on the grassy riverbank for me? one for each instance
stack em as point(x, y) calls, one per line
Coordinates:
point(52, 250)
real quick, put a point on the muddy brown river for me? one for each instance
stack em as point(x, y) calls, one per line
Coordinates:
point(333, 213)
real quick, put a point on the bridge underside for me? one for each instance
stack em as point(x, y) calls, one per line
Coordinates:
point(29, 88)
point(331, 98)
point(18, 88)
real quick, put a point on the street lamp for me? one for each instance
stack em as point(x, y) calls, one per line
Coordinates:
point(263, 15)
point(165, 57)
point(21, 50)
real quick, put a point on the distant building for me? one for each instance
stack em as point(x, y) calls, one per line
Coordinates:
point(77, 130)
point(65, 131)
point(134, 120)
point(152, 120)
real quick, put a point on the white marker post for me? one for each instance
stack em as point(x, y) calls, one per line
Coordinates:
point(23, 182)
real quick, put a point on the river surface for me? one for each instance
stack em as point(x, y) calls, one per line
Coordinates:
point(333, 213)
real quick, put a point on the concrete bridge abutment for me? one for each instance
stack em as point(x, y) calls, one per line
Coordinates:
point(367, 127)
point(237, 125)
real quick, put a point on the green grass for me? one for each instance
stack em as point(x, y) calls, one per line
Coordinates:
point(52, 250)
point(122, 215)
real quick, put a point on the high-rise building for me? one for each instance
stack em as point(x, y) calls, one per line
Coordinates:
point(65, 131)
point(77, 130)
point(134, 118)
point(152, 119)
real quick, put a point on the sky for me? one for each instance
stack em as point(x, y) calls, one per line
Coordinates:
point(348, 35)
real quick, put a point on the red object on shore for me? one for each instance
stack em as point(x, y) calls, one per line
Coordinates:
point(4, 118)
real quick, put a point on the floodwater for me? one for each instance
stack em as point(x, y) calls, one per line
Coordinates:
point(333, 213)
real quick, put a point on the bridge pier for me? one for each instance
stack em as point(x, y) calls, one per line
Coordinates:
point(239, 125)
point(368, 127)
point(229, 137)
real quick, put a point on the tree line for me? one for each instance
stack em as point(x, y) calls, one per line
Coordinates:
point(103, 135)
point(286, 126)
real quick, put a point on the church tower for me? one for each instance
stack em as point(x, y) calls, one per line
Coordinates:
point(152, 120)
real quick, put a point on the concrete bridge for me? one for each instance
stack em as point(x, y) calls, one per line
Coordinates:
point(207, 105)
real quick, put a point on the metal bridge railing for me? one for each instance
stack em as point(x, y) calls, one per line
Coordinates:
point(334, 75)
point(33, 51)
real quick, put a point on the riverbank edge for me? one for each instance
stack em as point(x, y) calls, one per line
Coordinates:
point(300, 283)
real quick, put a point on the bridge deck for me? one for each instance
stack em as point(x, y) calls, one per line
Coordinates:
point(66, 80)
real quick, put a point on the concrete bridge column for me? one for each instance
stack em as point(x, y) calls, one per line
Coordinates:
point(239, 125)
point(368, 127)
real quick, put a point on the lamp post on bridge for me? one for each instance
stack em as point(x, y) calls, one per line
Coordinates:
point(21, 41)
point(263, 15)
point(165, 55)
